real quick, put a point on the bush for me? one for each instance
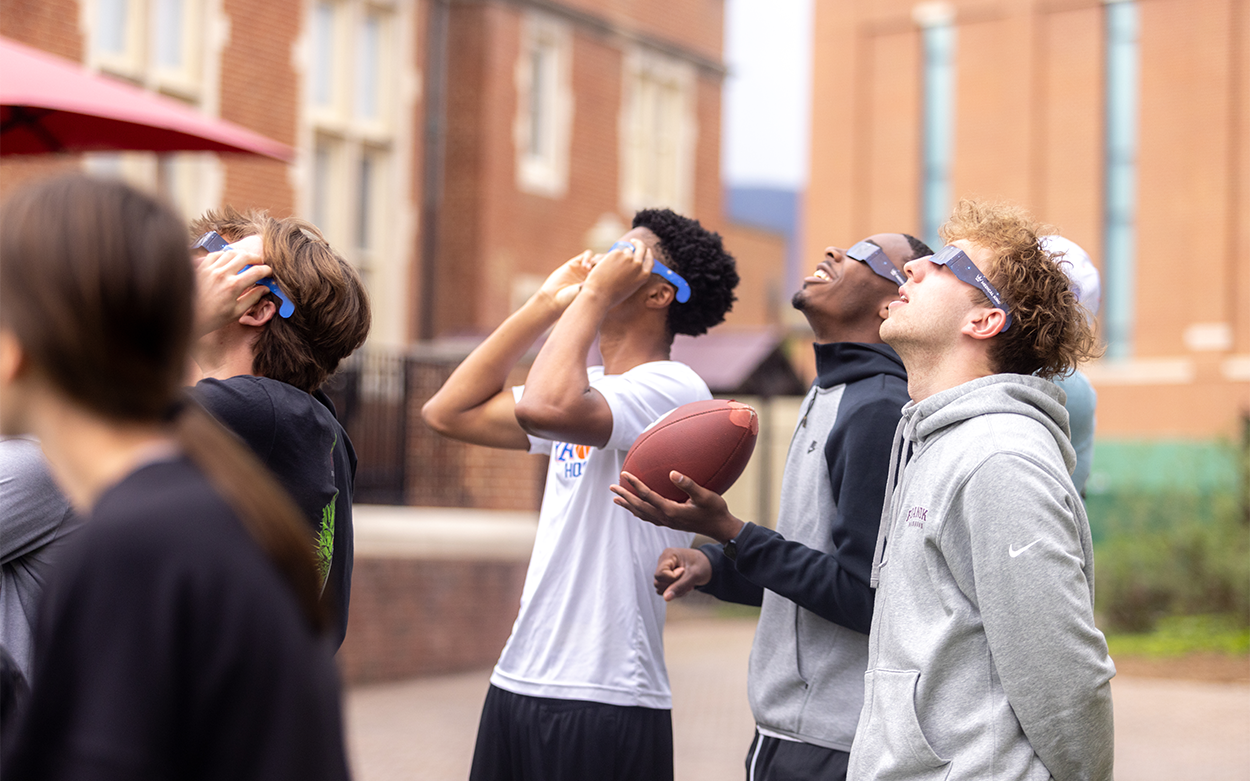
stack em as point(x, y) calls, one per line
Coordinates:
point(1196, 562)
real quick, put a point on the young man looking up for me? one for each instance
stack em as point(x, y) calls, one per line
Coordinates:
point(984, 661)
point(806, 675)
point(263, 363)
point(581, 690)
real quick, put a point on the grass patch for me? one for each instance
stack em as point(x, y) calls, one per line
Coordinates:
point(1175, 636)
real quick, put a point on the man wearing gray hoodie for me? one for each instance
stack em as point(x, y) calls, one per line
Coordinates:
point(983, 659)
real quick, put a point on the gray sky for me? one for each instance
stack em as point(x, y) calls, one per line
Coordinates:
point(767, 96)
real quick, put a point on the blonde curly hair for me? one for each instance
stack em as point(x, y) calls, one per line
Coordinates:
point(1050, 333)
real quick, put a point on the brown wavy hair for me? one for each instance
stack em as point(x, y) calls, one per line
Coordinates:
point(96, 283)
point(1050, 333)
point(332, 314)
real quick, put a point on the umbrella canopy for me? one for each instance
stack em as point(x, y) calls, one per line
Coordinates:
point(49, 104)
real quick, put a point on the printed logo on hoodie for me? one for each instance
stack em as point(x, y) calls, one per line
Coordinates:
point(916, 517)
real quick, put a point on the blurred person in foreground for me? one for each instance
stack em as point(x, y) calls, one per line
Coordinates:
point(181, 633)
point(806, 675)
point(984, 661)
point(581, 690)
point(261, 357)
point(36, 522)
point(1081, 400)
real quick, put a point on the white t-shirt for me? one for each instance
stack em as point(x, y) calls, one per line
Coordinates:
point(591, 625)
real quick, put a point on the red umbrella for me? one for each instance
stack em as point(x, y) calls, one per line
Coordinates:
point(49, 104)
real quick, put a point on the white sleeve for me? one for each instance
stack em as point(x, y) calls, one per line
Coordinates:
point(538, 445)
point(641, 395)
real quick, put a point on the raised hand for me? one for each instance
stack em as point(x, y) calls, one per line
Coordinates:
point(619, 273)
point(222, 294)
point(563, 285)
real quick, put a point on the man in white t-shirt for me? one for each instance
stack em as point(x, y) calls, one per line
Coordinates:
point(581, 690)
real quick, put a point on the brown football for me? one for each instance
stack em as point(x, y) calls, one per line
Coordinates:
point(708, 441)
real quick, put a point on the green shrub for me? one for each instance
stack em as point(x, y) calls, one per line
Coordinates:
point(1173, 554)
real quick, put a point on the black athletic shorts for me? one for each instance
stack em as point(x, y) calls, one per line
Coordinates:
point(774, 759)
point(523, 738)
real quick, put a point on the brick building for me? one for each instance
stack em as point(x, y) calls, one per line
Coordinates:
point(457, 151)
point(1125, 124)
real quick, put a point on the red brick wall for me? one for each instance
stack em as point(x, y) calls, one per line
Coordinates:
point(51, 25)
point(446, 473)
point(490, 230)
point(1029, 127)
point(761, 258)
point(260, 90)
point(413, 617)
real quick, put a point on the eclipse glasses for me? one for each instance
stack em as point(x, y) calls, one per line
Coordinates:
point(213, 242)
point(683, 287)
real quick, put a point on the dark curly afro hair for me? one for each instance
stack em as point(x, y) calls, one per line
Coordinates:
point(698, 255)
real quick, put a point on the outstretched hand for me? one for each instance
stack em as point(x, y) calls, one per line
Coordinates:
point(222, 293)
point(680, 570)
point(706, 513)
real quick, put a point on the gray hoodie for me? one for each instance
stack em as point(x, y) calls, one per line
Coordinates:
point(984, 662)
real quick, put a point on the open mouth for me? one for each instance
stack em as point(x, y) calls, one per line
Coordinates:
point(822, 275)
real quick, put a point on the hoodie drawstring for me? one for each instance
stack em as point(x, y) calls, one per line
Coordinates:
point(887, 506)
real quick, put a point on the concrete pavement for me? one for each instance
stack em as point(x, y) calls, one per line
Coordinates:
point(423, 730)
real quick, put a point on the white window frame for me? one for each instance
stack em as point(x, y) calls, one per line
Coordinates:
point(192, 181)
point(542, 168)
point(335, 204)
point(643, 72)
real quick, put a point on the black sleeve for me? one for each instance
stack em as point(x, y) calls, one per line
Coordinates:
point(834, 585)
point(727, 584)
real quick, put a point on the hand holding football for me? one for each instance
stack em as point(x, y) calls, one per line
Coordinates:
point(708, 441)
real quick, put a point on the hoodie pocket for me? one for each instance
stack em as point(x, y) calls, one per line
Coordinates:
point(893, 744)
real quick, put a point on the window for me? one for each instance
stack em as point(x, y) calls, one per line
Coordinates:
point(1120, 183)
point(938, 35)
point(350, 98)
point(159, 45)
point(544, 106)
point(153, 42)
point(658, 133)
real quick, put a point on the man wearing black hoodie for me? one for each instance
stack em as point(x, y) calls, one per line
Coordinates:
point(811, 575)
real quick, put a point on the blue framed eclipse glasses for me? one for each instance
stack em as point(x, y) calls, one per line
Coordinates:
point(683, 287)
point(213, 242)
point(874, 256)
point(967, 272)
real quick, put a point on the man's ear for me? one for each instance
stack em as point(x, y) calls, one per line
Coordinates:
point(661, 294)
point(259, 313)
point(883, 311)
point(985, 322)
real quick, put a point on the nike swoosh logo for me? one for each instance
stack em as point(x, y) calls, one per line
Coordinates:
point(1013, 552)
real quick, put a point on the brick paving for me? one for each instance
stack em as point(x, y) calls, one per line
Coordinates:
point(423, 729)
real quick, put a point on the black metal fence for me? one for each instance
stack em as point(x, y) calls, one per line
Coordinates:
point(371, 393)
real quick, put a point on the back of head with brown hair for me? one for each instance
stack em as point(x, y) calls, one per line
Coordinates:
point(1050, 333)
point(96, 283)
point(332, 315)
